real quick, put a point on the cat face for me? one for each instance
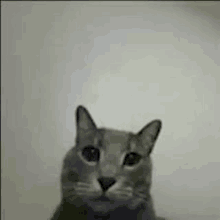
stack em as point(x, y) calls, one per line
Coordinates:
point(108, 168)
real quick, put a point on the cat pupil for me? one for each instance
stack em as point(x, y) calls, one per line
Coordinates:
point(91, 153)
point(132, 159)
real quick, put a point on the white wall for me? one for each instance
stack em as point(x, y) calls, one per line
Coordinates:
point(128, 63)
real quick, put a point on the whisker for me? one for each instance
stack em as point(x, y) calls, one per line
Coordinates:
point(71, 196)
point(83, 184)
point(124, 194)
point(67, 187)
point(140, 195)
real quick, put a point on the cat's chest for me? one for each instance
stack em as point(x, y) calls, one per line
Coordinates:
point(117, 214)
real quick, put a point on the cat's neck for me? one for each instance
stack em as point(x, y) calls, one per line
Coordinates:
point(117, 214)
point(86, 213)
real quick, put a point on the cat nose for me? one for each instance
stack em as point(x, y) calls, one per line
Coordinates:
point(106, 182)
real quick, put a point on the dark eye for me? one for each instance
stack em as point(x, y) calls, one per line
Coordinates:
point(91, 153)
point(131, 159)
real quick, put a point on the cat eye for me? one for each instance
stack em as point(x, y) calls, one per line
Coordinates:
point(91, 153)
point(131, 159)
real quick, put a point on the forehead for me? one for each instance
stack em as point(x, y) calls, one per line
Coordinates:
point(115, 140)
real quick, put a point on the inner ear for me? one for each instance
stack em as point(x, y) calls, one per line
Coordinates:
point(84, 120)
point(149, 134)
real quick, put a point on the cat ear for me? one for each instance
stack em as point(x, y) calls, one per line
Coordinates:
point(84, 120)
point(148, 135)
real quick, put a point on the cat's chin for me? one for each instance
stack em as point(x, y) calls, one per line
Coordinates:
point(102, 207)
point(101, 199)
point(101, 204)
point(104, 204)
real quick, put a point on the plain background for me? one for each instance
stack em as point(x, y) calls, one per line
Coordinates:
point(128, 63)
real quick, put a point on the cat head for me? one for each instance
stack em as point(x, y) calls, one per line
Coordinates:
point(109, 167)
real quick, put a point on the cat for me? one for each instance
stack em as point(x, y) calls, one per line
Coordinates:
point(107, 175)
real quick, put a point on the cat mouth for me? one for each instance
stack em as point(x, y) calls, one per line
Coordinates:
point(102, 199)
